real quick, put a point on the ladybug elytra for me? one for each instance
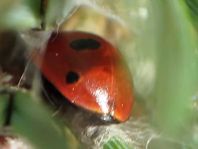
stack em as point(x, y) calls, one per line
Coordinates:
point(89, 72)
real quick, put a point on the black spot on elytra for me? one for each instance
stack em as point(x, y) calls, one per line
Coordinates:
point(85, 44)
point(72, 77)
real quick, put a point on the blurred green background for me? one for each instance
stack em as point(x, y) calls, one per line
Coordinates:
point(159, 42)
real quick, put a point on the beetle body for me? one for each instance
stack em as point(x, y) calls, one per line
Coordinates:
point(89, 72)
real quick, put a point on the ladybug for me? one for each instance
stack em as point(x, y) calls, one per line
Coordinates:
point(89, 72)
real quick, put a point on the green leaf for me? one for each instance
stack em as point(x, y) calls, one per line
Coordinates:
point(19, 14)
point(177, 67)
point(32, 120)
point(193, 8)
point(116, 143)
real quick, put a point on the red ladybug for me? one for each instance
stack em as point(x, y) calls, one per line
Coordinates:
point(89, 72)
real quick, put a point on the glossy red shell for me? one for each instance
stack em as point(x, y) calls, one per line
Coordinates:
point(104, 84)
